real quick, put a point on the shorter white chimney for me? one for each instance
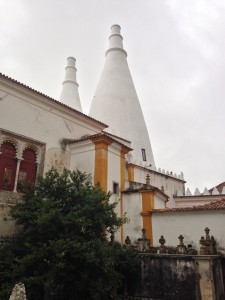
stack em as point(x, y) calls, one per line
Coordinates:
point(70, 95)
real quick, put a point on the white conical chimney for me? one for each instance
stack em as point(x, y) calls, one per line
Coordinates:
point(188, 192)
point(215, 191)
point(206, 192)
point(70, 95)
point(116, 102)
point(197, 192)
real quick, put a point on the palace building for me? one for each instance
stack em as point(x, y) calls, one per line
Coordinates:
point(112, 143)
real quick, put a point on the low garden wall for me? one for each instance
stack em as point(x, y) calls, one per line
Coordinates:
point(178, 277)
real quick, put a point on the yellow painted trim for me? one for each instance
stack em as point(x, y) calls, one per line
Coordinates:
point(123, 151)
point(147, 207)
point(131, 172)
point(101, 162)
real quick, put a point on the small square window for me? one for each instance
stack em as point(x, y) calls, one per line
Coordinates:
point(115, 188)
point(143, 154)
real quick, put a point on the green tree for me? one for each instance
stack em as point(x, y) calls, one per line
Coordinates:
point(62, 251)
point(7, 259)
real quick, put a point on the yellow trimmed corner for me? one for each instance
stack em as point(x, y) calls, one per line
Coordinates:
point(147, 207)
point(131, 172)
point(101, 161)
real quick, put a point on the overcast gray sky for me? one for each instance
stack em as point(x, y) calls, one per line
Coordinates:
point(176, 54)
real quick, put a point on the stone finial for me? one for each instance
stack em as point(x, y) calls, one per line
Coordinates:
point(181, 239)
point(208, 244)
point(207, 236)
point(162, 241)
point(143, 244)
point(18, 292)
point(181, 248)
point(162, 247)
point(147, 180)
point(127, 241)
point(162, 189)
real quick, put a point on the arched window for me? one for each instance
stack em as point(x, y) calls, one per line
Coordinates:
point(8, 165)
point(28, 167)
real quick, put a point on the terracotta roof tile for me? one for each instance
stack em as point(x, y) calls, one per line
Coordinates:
point(116, 136)
point(219, 187)
point(220, 204)
point(90, 137)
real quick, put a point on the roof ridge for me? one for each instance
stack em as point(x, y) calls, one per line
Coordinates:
point(116, 136)
point(214, 205)
point(49, 98)
point(102, 133)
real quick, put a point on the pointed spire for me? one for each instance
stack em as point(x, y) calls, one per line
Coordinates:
point(197, 193)
point(215, 191)
point(116, 102)
point(70, 95)
point(188, 192)
point(206, 192)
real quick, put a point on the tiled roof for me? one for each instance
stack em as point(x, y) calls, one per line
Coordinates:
point(220, 204)
point(137, 187)
point(91, 137)
point(47, 97)
point(219, 187)
point(113, 135)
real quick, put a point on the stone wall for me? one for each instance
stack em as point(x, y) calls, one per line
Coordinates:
point(7, 200)
point(178, 277)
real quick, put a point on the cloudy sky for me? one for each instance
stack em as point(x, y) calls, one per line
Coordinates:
point(176, 54)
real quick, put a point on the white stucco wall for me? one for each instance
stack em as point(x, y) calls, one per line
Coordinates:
point(171, 184)
point(113, 165)
point(159, 201)
point(31, 115)
point(83, 157)
point(114, 176)
point(188, 201)
point(191, 225)
point(132, 206)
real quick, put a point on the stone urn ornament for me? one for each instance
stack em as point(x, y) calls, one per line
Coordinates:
point(18, 292)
